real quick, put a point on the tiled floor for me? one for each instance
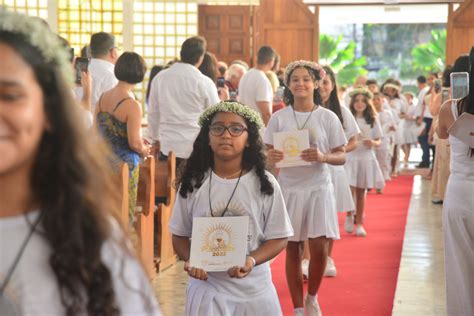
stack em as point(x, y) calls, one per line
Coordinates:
point(421, 283)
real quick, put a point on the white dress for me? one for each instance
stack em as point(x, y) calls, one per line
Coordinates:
point(33, 289)
point(268, 219)
point(342, 189)
point(458, 225)
point(308, 190)
point(410, 131)
point(398, 107)
point(362, 167)
point(383, 152)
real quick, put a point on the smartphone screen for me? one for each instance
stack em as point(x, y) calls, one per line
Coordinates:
point(81, 65)
point(459, 84)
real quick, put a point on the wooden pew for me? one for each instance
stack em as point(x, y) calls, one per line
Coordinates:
point(145, 216)
point(165, 192)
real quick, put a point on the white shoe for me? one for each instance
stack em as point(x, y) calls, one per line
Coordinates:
point(349, 224)
point(330, 270)
point(312, 307)
point(305, 267)
point(360, 231)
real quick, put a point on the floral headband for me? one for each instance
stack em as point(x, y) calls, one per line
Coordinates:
point(40, 37)
point(231, 107)
point(303, 63)
point(361, 90)
point(391, 85)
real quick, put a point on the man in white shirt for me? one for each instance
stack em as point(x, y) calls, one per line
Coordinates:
point(104, 56)
point(178, 96)
point(255, 89)
point(424, 115)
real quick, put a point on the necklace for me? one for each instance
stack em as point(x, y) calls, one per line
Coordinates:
point(307, 119)
point(230, 175)
point(18, 256)
point(231, 196)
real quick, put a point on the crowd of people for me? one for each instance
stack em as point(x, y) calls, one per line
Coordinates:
point(61, 238)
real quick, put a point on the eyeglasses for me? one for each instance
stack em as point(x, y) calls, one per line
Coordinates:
point(234, 130)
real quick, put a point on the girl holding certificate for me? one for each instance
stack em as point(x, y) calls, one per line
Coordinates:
point(308, 189)
point(342, 190)
point(225, 176)
point(455, 121)
point(362, 167)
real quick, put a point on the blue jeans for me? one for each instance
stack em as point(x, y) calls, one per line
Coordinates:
point(425, 146)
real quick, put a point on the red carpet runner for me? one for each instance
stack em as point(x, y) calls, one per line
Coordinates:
point(367, 268)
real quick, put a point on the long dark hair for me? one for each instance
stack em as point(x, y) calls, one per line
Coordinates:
point(288, 96)
point(369, 112)
point(202, 159)
point(333, 102)
point(208, 66)
point(72, 188)
point(466, 104)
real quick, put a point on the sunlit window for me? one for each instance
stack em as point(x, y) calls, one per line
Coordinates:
point(31, 7)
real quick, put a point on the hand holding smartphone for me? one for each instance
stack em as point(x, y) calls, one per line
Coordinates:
point(81, 65)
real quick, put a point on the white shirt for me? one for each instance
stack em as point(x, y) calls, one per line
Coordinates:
point(421, 101)
point(103, 79)
point(350, 125)
point(325, 132)
point(268, 219)
point(33, 288)
point(255, 87)
point(178, 97)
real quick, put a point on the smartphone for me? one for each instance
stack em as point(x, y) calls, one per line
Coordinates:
point(220, 82)
point(444, 95)
point(81, 65)
point(459, 84)
point(437, 85)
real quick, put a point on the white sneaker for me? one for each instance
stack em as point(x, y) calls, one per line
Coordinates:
point(330, 270)
point(312, 307)
point(305, 267)
point(360, 231)
point(349, 224)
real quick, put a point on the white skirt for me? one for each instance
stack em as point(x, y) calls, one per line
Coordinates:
point(312, 212)
point(383, 156)
point(202, 299)
point(410, 131)
point(342, 189)
point(364, 172)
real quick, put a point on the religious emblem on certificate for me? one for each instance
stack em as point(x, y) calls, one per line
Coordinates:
point(292, 144)
point(219, 243)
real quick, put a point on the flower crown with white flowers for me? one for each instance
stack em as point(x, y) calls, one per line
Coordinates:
point(231, 107)
point(39, 36)
point(361, 90)
point(304, 63)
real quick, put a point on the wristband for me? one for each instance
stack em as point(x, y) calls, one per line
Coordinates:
point(254, 263)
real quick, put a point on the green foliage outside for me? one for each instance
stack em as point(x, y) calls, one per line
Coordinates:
point(430, 57)
point(342, 60)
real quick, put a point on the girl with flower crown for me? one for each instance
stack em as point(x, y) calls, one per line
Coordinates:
point(225, 176)
point(362, 167)
point(308, 190)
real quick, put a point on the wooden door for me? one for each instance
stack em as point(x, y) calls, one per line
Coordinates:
point(228, 31)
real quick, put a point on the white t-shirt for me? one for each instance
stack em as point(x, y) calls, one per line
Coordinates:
point(103, 79)
point(374, 132)
point(268, 219)
point(421, 102)
point(255, 87)
point(350, 125)
point(325, 132)
point(33, 288)
point(178, 97)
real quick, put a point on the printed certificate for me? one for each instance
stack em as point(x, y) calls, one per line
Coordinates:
point(219, 243)
point(463, 128)
point(292, 144)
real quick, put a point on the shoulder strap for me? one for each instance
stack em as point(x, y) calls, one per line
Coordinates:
point(120, 102)
point(454, 109)
point(98, 103)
